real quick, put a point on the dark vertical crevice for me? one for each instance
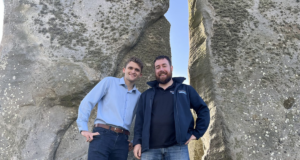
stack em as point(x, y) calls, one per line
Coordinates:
point(59, 136)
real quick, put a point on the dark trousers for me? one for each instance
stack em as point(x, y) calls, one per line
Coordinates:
point(109, 145)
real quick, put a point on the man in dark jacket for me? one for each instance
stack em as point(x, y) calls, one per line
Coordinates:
point(164, 123)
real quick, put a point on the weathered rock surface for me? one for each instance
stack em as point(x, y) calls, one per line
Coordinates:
point(153, 42)
point(195, 147)
point(1, 18)
point(244, 62)
point(52, 53)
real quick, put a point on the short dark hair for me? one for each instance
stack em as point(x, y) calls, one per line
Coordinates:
point(162, 57)
point(135, 60)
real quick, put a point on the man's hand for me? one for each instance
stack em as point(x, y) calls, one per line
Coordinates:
point(192, 138)
point(130, 146)
point(88, 135)
point(137, 151)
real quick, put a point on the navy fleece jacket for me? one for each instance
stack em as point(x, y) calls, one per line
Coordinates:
point(185, 98)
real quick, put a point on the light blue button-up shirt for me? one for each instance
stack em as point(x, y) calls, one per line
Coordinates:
point(116, 105)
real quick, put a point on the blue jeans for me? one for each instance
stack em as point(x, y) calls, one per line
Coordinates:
point(175, 152)
point(109, 145)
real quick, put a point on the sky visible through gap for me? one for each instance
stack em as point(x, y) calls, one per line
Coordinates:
point(178, 16)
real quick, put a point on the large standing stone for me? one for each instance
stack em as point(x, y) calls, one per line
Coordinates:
point(52, 54)
point(245, 64)
point(153, 42)
point(1, 19)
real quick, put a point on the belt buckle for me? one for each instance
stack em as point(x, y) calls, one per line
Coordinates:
point(115, 129)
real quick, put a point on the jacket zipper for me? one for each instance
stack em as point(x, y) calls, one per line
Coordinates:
point(151, 99)
point(177, 113)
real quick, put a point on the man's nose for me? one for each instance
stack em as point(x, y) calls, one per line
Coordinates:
point(160, 69)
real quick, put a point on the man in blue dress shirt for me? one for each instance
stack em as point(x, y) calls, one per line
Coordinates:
point(116, 99)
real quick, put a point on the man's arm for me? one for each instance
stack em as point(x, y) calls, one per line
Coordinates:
point(89, 102)
point(202, 111)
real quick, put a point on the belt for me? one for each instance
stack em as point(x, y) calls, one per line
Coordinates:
point(115, 129)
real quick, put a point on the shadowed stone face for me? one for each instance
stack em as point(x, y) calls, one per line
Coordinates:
point(52, 53)
point(246, 66)
point(1, 19)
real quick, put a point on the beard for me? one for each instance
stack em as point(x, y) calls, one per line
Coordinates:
point(164, 80)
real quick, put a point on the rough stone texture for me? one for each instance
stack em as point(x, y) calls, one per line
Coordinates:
point(1, 19)
point(153, 42)
point(245, 65)
point(195, 147)
point(52, 54)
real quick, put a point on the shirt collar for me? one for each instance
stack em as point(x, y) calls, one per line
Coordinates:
point(171, 86)
point(134, 88)
point(179, 80)
point(122, 82)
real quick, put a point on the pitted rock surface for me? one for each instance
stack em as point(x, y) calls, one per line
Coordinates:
point(153, 42)
point(52, 53)
point(244, 62)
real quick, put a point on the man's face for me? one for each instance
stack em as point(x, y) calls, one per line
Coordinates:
point(163, 71)
point(132, 72)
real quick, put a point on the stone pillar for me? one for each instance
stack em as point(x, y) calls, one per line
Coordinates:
point(52, 53)
point(1, 18)
point(244, 61)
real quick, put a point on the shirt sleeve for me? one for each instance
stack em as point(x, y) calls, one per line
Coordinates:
point(202, 111)
point(89, 102)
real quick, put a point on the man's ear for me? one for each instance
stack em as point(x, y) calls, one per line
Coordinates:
point(123, 70)
point(172, 68)
point(140, 75)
